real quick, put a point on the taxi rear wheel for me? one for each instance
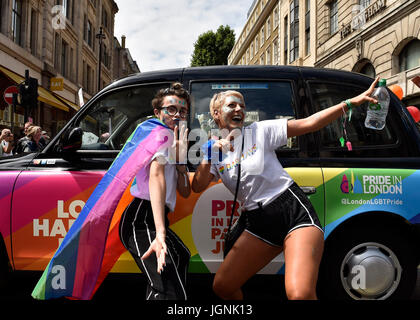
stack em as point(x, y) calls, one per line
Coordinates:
point(368, 264)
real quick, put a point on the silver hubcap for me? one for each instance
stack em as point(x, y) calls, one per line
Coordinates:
point(370, 271)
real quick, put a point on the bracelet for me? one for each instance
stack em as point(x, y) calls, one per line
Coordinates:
point(349, 104)
point(349, 107)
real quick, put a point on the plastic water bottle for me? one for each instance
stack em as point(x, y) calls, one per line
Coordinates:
point(376, 113)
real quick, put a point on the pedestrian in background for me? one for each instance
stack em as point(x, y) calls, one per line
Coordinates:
point(33, 144)
point(23, 141)
point(6, 143)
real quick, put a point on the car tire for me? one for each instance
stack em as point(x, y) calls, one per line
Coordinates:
point(368, 263)
point(5, 268)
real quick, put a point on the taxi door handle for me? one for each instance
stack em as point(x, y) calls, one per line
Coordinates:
point(308, 190)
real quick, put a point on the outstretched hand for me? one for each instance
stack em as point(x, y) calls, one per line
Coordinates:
point(158, 246)
point(181, 142)
point(226, 144)
point(365, 96)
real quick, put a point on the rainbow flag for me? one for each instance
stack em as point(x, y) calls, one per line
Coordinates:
point(78, 266)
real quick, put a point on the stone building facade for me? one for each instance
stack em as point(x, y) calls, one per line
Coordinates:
point(57, 41)
point(277, 33)
point(124, 64)
point(374, 37)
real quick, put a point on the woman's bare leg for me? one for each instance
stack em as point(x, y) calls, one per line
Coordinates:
point(303, 249)
point(247, 256)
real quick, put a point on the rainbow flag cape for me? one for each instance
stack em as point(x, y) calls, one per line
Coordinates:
point(84, 257)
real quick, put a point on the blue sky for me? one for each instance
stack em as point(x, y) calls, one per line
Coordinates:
point(161, 33)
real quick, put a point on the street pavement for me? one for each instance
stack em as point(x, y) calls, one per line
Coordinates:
point(133, 286)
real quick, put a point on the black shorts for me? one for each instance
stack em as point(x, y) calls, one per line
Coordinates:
point(137, 231)
point(289, 211)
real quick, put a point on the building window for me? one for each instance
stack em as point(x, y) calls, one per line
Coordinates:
point(257, 43)
point(64, 59)
point(89, 36)
point(104, 18)
point(262, 58)
point(276, 17)
point(252, 50)
point(57, 51)
point(268, 27)
point(70, 11)
point(262, 36)
point(409, 57)
point(286, 27)
point(333, 17)
point(68, 8)
point(294, 30)
point(17, 21)
point(34, 31)
point(89, 79)
point(84, 79)
point(85, 28)
point(364, 3)
point(369, 70)
point(275, 51)
point(308, 27)
point(268, 55)
point(71, 61)
point(106, 59)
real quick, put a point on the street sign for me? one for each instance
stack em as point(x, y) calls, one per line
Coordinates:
point(8, 94)
point(56, 84)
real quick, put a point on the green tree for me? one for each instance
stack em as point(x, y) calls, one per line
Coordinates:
point(213, 48)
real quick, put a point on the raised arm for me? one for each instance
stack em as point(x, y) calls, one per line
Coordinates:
point(202, 177)
point(324, 117)
point(183, 182)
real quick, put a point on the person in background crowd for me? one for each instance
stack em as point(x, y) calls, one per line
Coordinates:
point(6, 143)
point(22, 142)
point(45, 139)
point(34, 136)
point(104, 137)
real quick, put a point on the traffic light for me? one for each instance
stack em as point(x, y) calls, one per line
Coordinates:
point(29, 93)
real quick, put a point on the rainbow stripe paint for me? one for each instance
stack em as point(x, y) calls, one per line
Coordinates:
point(78, 262)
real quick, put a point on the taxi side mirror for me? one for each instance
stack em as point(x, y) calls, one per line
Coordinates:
point(72, 140)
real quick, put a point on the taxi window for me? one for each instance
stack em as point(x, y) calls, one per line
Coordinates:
point(109, 122)
point(325, 95)
point(263, 100)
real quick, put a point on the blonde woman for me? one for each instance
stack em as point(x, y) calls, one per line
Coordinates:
point(277, 215)
point(34, 135)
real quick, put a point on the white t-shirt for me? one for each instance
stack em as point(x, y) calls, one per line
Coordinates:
point(140, 187)
point(5, 144)
point(263, 178)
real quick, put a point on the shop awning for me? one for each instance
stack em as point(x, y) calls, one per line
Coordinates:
point(44, 95)
point(71, 104)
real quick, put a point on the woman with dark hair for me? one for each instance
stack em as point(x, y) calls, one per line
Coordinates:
point(144, 224)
